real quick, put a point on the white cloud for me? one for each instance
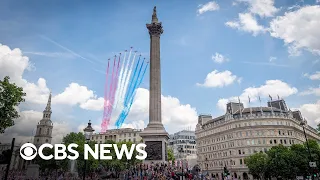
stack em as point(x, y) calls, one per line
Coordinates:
point(289, 28)
point(272, 59)
point(315, 76)
point(74, 94)
point(263, 8)
point(218, 79)
point(272, 87)
point(175, 115)
point(311, 113)
point(93, 104)
point(311, 91)
point(247, 23)
point(219, 58)
point(210, 6)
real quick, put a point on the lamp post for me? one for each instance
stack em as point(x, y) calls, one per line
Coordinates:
point(207, 165)
point(88, 134)
point(180, 152)
point(303, 123)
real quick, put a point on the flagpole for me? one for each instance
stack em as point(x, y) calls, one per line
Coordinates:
point(271, 105)
point(240, 107)
point(250, 106)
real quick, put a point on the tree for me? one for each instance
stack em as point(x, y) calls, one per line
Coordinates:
point(171, 155)
point(10, 97)
point(281, 162)
point(257, 164)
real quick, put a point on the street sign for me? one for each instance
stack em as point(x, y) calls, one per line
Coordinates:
point(312, 164)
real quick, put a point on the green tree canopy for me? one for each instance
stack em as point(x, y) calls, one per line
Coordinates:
point(10, 97)
point(257, 164)
point(170, 155)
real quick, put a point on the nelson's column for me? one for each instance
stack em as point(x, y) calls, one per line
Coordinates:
point(154, 135)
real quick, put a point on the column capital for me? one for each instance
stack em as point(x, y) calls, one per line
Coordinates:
point(155, 29)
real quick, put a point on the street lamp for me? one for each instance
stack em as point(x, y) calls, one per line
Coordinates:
point(303, 123)
point(180, 152)
point(207, 165)
point(88, 134)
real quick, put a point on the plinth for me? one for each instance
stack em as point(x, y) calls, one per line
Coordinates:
point(157, 143)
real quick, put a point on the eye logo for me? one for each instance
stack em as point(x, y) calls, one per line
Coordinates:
point(28, 151)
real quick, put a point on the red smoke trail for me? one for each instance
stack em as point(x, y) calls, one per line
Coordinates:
point(109, 106)
point(104, 120)
point(113, 92)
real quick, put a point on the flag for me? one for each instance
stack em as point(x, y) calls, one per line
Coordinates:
point(259, 99)
point(270, 97)
point(249, 99)
point(278, 97)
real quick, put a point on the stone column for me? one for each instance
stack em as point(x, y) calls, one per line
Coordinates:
point(154, 135)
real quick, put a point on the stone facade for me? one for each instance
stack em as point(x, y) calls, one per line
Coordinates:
point(118, 135)
point(44, 128)
point(227, 140)
point(185, 139)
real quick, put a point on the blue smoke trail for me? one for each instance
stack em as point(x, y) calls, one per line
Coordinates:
point(132, 82)
point(125, 113)
point(134, 85)
point(119, 120)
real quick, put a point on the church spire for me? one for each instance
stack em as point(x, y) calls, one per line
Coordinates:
point(154, 15)
point(48, 107)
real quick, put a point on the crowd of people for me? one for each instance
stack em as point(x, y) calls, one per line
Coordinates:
point(151, 171)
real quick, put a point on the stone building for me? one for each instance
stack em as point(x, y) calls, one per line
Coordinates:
point(44, 127)
point(186, 140)
point(118, 135)
point(225, 141)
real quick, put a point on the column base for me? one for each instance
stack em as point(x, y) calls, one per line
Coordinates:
point(156, 139)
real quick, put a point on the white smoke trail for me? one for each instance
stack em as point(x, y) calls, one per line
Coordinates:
point(120, 79)
point(125, 79)
point(128, 77)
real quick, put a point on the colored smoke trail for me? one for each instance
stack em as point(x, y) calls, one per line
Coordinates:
point(121, 117)
point(112, 87)
point(115, 85)
point(128, 81)
point(125, 73)
point(104, 121)
point(117, 98)
point(125, 112)
point(122, 80)
point(131, 85)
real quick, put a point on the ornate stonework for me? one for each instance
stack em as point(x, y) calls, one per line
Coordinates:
point(155, 29)
point(153, 150)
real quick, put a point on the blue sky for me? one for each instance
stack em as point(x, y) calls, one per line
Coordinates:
point(62, 37)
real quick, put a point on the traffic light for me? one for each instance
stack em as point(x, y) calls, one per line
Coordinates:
point(5, 157)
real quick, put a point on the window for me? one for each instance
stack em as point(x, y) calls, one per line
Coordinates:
point(240, 161)
point(37, 140)
point(275, 141)
point(279, 132)
point(239, 151)
point(285, 141)
point(270, 141)
point(280, 141)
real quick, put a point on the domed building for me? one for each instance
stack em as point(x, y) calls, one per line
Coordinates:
point(225, 141)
